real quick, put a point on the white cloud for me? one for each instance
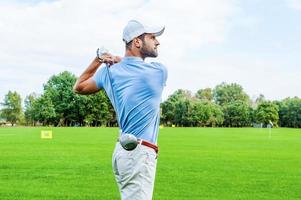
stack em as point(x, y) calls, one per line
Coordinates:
point(294, 4)
point(257, 76)
point(39, 40)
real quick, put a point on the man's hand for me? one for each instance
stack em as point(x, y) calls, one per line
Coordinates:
point(109, 59)
point(104, 56)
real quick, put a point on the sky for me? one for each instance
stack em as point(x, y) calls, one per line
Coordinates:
point(253, 43)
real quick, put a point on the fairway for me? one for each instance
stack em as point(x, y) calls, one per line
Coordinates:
point(193, 163)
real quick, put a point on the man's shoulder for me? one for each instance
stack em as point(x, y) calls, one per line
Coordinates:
point(163, 70)
point(159, 65)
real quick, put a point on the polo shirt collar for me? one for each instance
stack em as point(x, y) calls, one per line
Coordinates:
point(131, 59)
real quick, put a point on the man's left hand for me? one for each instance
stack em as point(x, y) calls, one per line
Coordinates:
point(110, 59)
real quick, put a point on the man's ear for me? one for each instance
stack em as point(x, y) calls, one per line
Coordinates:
point(137, 43)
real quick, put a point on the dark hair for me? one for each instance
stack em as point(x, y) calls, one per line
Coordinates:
point(128, 45)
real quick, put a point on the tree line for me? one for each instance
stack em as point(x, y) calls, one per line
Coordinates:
point(225, 105)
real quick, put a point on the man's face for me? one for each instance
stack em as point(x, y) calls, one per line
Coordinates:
point(149, 46)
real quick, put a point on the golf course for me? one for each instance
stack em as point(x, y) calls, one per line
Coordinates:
point(193, 163)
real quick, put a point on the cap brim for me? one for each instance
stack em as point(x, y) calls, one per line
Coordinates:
point(156, 30)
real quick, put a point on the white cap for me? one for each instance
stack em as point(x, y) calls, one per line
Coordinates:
point(134, 29)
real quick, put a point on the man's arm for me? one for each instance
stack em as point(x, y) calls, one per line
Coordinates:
point(85, 84)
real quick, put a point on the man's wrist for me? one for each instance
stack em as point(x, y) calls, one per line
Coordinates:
point(99, 60)
point(100, 52)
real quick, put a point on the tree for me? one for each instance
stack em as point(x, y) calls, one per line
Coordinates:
point(267, 112)
point(205, 113)
point(43, 110)
point(204, 94)
point(29, 109)
point(12, 107)
point(100, 110)
point(181, 94)
point(74, 109)
point(236, 114)
point(229, 93)
point(182, 109)
point(183, 113)
point(79, 109)
point(59, 90)
point(177, 108)
point(217, 115)
point(168, 111)
point(200, 113)
point(290, 112)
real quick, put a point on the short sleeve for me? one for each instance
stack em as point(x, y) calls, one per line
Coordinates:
point(164, 71)
point(99, 77)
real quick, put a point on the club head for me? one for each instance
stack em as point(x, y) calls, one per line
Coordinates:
point(128, 141)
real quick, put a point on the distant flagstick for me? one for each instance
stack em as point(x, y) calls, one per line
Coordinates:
point(270, 126)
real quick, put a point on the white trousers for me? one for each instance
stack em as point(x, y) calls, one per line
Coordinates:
point(135, 172)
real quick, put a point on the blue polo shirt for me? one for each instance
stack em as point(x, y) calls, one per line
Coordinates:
point(136, 95)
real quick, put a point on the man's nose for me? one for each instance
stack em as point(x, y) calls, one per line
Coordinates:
point(157, 43)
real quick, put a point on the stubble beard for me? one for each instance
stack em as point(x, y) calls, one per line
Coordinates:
point(147, 52)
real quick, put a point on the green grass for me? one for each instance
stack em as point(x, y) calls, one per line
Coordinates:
point(193, 163)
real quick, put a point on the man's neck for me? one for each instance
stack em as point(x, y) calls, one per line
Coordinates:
point(134, 54)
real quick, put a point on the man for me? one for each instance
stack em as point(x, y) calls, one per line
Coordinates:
point(134, 88)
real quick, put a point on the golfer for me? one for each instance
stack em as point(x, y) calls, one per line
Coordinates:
point(134, 87)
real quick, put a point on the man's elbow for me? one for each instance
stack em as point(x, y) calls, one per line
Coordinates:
point(77, 89)
point(85, 87)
